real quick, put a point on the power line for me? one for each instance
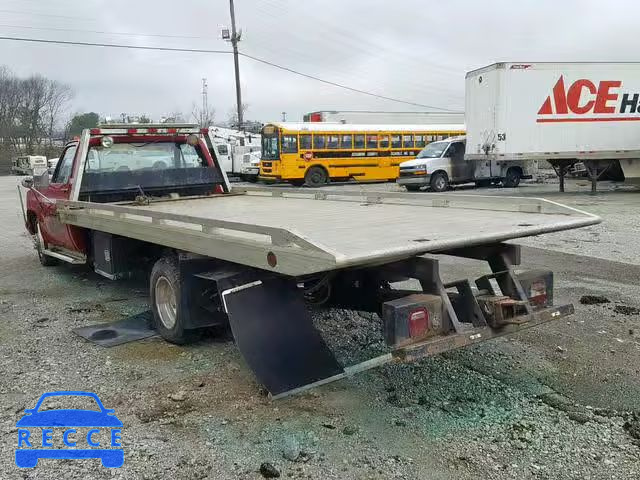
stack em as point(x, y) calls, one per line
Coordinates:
point(202, 50)
point(102, 32)
point(45, 15)
point(113, 45)
point(339, 85)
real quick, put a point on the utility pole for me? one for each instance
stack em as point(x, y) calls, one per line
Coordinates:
point(235, 38)
point(284, 116)
point(204, 114)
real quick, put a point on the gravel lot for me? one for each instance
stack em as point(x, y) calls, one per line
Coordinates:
point(557, 402)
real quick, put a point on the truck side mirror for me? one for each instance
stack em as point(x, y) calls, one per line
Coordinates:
point(41, 181)
point(27, 182)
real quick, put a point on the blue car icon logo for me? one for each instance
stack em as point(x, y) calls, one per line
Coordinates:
point(40, 432)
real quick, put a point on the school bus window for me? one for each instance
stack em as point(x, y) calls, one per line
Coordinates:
point(319, 141)
point(305, 142)
point(384, 141)
point(419, 140)
point(407, 141)
point(358, 141)
point(395, 141)
point(346, 141)
point(332, 141)
point(442, 136)
point(430, 138)
point(372, 141)
point(289, 144)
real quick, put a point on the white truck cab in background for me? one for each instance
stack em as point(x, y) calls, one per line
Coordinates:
point(237, 152)
point(29, 165)
point(441, 164)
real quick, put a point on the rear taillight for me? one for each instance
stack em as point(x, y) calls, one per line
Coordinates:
point(418, 322)
point(411, 318)
point(218, 189)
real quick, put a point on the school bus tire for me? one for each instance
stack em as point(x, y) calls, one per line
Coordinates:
point(316, 176)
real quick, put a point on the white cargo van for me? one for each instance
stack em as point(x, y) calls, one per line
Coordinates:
point(441, 164)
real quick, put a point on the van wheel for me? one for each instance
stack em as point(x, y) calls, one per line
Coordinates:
point(165, 293)
point(439, 182)
point(315, 177)
point(412, 188)
point(512, 179)
point(45, 260)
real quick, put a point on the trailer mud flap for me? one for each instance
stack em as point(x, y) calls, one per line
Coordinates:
point(276, 336)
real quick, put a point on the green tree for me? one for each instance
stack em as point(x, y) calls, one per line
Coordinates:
point(144, 119)
point(81, 121)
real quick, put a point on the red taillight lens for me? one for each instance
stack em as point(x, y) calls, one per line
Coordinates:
point(95, 131)
point(132, 130)
point(218, 189)
point(418, 322)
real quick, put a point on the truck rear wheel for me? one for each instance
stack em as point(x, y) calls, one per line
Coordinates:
point(315, 177)
point(439, 182)
point(512, 178)
point(165, 293)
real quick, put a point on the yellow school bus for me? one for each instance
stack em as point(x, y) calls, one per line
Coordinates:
point(315, 153)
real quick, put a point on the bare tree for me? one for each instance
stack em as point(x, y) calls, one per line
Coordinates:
point(203, 116)
point(232, 116)
point(174, 117)
point(31, 111)
point(57, 101)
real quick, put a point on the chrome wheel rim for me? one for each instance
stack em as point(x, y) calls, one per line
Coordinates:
point(166, 304)
point(440, 183)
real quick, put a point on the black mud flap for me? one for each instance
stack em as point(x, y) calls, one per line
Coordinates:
point(276, 336)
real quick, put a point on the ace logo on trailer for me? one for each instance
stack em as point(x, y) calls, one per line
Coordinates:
point(589, 101)
point(69, 433)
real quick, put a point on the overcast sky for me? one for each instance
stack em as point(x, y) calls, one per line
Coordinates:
point(417, 50)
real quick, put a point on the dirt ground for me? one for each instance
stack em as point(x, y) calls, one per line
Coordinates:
point(557, 402)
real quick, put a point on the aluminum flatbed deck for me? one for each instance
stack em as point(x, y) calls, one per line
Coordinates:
point(298, 232)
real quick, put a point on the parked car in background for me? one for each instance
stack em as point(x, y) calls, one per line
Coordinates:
point(441, 164)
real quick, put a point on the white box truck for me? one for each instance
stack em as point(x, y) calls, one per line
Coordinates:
point(560, 112)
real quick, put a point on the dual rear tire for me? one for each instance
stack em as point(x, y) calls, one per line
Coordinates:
point(165, 297)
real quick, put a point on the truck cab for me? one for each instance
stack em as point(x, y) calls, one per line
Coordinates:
point(116, 163)
point(442, 164)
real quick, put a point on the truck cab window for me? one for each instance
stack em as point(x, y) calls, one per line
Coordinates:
point(65, 166)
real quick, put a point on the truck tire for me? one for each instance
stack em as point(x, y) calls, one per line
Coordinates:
point(316, 177)
point(165, 295)
point(439, 182)
point(412, 188)
point(512, 178)
point(45, 260)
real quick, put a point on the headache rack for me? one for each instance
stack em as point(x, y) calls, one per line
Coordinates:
point(148, 129)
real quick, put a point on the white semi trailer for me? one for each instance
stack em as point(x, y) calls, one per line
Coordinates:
point(560, 112)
